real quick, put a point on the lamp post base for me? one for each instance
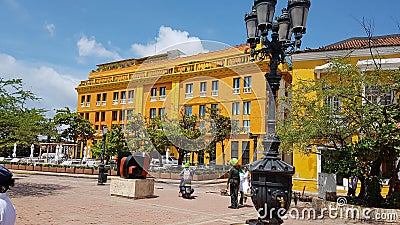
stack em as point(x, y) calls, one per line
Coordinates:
point(102, 178)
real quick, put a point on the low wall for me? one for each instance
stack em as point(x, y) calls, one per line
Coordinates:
point(353, 212)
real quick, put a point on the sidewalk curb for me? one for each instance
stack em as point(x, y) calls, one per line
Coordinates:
point(87, 176)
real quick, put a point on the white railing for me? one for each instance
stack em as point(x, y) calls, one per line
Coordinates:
point(247, 90)
point(115, 102)
point(104, 103)
point(98, 103)
point(188, 95)
point(162, 97)
point(214, 93)
point(123, 101)
point(203, 94)
point(153, 98)
point(236, 91)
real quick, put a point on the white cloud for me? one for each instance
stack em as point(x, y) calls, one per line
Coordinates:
point(169, 39)
point(89, 47)
point(50, 28)
point(55, 90)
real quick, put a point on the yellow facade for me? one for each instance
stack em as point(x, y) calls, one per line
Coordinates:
point(309, 64)
point(165, 84)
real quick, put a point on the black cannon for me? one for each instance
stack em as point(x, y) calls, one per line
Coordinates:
point(133, 165)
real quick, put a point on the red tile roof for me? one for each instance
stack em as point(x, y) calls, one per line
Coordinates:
point(359, 43)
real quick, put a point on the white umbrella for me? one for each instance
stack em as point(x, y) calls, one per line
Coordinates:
point(15, 151)
point(32, 148)
point(84, 153)
point(88, 152)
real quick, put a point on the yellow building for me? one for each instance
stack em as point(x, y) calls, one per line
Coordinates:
point(171, 83)
point(311, 63)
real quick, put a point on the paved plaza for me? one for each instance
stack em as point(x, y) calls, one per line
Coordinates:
point(43, 199)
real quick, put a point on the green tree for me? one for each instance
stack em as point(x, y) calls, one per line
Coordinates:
point(137, 137)
point(333, 113)
point(115, 143)
point(221, 128)
point(18, 123)
point(73, 126)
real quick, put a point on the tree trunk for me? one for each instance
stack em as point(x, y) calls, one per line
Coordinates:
point(223, 155)
point(362, 188)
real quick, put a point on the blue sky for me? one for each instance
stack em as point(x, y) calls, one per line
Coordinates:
point(53, 44)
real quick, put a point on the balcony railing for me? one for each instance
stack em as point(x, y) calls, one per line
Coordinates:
point(104, 103)
point(162, 97)
point(98, 103)
point(203, 94)
point(115, 102)
point(153, 98)
point(188, 95)
point(123, 101)
point(247, 90)
point(236, 91)
point(189, 67)
point(214, 93)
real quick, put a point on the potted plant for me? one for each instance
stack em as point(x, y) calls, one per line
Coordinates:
point(29, 166)
point(70, 169)
point(53, 168)
point(61, 168)
point(37, 167)
point(79, 169)
point(88, 170)
point(14, 165)
point(46, 167)
point(22, 165)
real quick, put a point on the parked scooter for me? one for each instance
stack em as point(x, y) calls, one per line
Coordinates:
point(186, 190)
point(185, 187)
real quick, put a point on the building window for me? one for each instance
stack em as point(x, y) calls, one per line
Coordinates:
point(246, 108)
point(235, 108)
point(374, 95)
point(130, 97)
point(214, 106)
point(98, 100)
point(247, 85)
point(153, 95)
point(245, 152)
point(214, 90)
point(203, 89)
point(234, 149)
point(188, 110)
point(246, 126)
point(97, 117)
point(153, 113)
point(122, 115)
point(161, 111)
point(123, 97)
point(163, 93)
point(129, 114)
point(189, 91)
point(202, 110)
point(104, 99)
point(236, 86)
point(115, 98)
point(114, 115)
point(88, 98)
point(82, 101)
point(235, 124)
point(103, 116)
point(334, 103)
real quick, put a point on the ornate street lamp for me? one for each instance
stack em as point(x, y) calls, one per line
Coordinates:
point(102, 178)
point(271, 177)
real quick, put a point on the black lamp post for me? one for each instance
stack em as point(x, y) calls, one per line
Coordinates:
point(102, 178)
point(254, 137)
point(271, 177)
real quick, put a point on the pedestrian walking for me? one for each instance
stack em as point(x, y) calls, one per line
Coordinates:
point(233, 183)
point(7, 210)
point(244, 187)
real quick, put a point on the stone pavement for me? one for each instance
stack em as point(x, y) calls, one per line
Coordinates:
point(42, 199)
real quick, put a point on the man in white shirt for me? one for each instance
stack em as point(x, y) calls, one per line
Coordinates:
point(7, 210)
